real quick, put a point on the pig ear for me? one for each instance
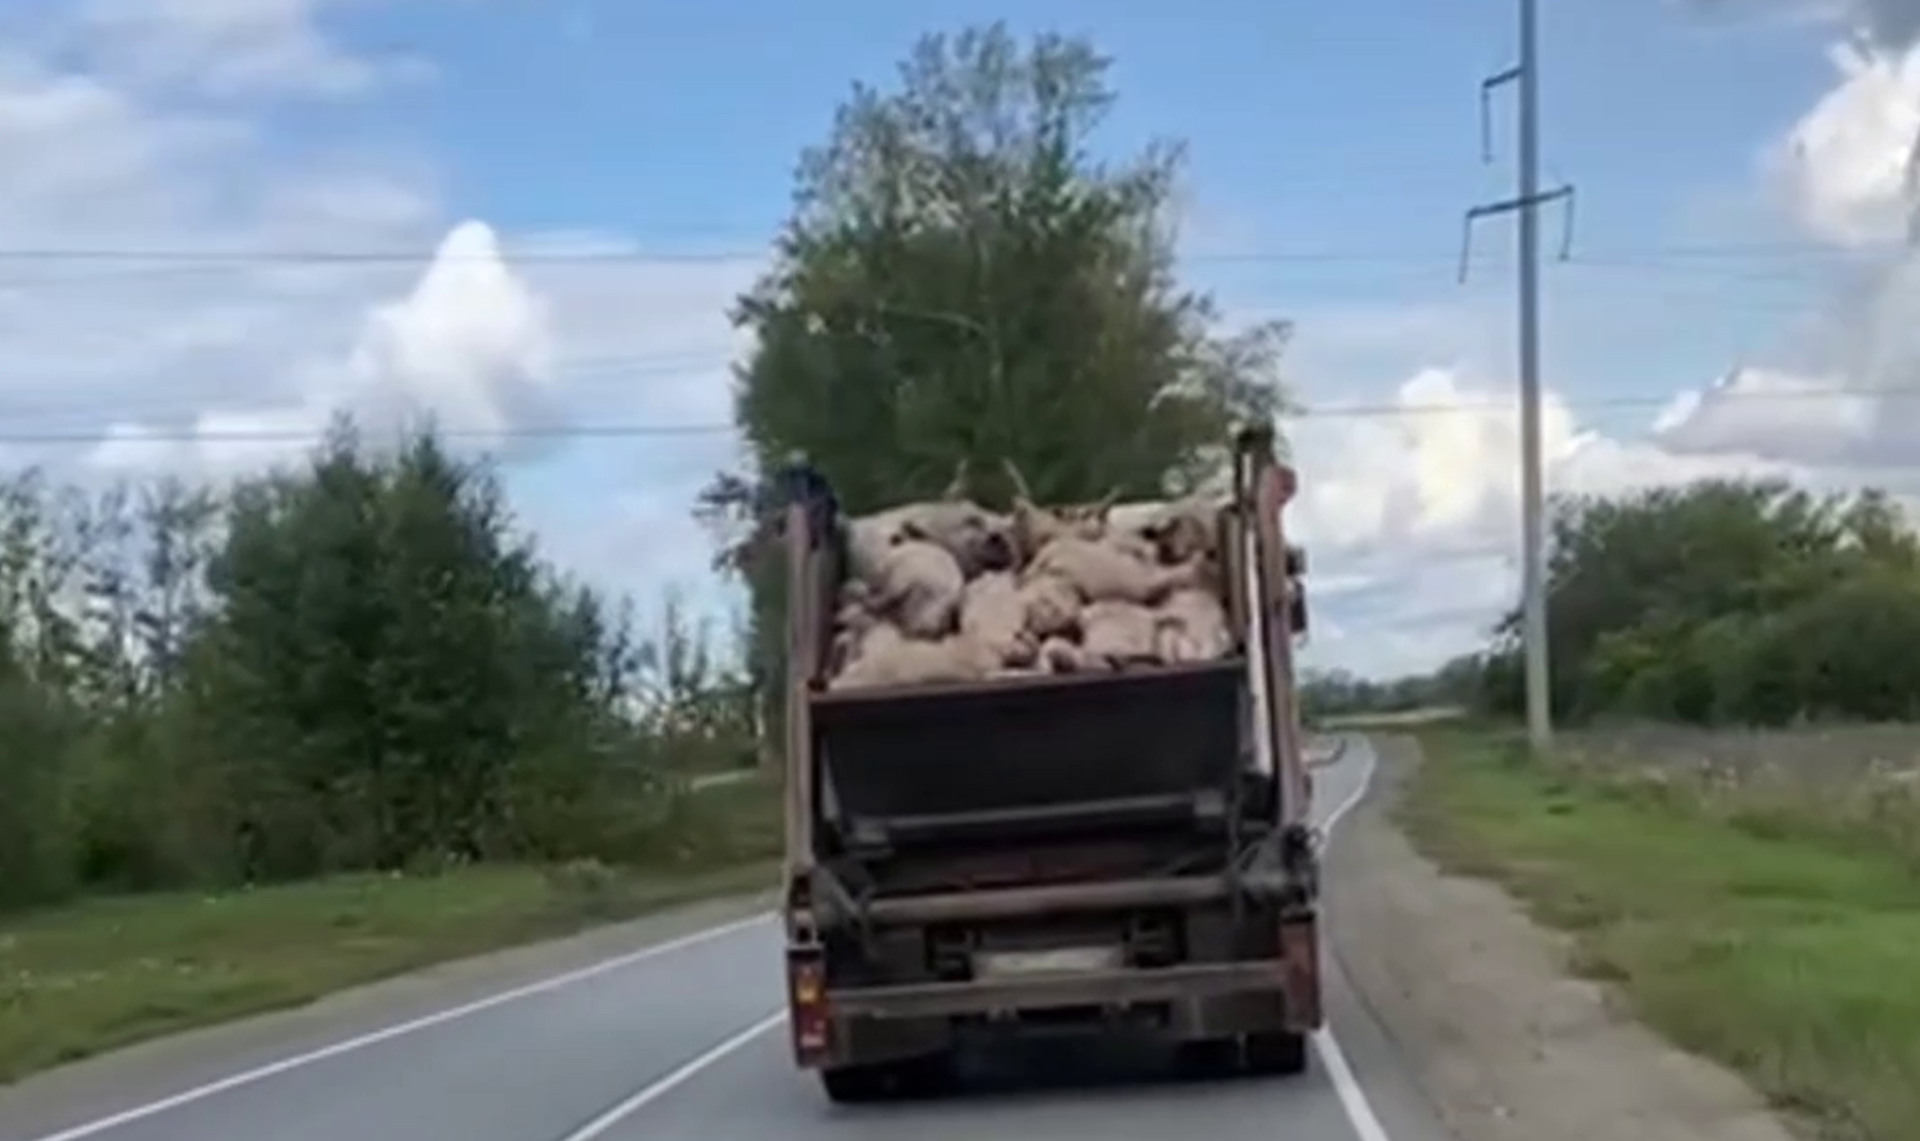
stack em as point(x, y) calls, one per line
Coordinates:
point(1100, 509)
point(1022, 494)
point(957, 490)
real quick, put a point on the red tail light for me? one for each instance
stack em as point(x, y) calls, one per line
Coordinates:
point(807, 1003)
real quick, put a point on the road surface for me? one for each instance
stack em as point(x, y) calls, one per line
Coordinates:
point(681, 1040)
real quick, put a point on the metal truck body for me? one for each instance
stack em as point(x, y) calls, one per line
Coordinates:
point(1057, 854)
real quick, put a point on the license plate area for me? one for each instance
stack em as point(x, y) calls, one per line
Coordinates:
point(1047, 961)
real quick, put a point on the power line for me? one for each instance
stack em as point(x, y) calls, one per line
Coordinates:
point(295, 436)
point(217, 258)
point(1599, 404)
point(1381, 411)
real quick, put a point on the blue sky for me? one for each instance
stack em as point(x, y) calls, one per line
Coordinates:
point(1332, 150)
point(1322, 129)
point(685, 123)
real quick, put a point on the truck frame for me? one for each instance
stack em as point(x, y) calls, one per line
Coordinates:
point(1057, 854)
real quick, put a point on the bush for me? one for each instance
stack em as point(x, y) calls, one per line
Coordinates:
point(1725, 602)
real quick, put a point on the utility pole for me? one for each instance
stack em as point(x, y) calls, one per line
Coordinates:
point(1525, 202)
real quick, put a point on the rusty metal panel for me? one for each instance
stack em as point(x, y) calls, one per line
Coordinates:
point(1042, 992)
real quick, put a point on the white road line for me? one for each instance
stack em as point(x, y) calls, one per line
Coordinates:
point(652, 1093)
point(1353, 798)
point(346, 1046)
point(1346, 1086)
point(1331, 756)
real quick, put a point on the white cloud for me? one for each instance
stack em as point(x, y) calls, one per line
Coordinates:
point(1412, 516)
point(470, 347)
point(471, 342)
point(1886, 23)
point(1771, 413)
point(1847, 164)
point(230, 47)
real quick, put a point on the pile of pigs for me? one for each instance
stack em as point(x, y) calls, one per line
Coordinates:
point(947, 591)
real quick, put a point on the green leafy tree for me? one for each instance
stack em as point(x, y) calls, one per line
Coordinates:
point(386, 650)
point(1725, 600)
point(962, 279)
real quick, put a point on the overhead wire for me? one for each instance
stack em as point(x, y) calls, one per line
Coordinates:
point(1755, 262)
point(237, 256)
point(638, 430)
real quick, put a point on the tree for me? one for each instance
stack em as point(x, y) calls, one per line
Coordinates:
point(1725, 600)
point(385, 652)
point(962, 279)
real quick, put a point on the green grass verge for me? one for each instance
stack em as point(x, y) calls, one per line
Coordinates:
point(1776, 943)
point(80, 979)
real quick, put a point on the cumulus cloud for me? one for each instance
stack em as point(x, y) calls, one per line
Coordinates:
point(1848, 164)
point(1886, 23)
point(229, 47)
point(470, 348)
point(1773, 413)
point(1412, 513)
point(1848, 169)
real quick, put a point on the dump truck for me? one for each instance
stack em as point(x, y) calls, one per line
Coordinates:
point(1098, 853)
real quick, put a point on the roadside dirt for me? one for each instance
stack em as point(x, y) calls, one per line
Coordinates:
point(1479, 1002)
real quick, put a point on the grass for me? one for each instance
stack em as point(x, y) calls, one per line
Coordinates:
point(84, 978)
point(1782, 939)
point(1833, 753)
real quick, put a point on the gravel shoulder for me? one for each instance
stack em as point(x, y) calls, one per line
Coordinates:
point(1481, 1006)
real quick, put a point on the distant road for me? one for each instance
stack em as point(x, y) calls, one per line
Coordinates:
point(717, 780)
point(1406, 717)
point(679, 1039)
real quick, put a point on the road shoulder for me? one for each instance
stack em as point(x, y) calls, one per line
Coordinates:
point(1478, 1002)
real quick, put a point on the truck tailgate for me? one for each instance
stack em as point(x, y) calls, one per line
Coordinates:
point(1024, 746)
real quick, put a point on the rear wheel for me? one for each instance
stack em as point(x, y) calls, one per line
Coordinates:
point(1209, 1058)
point(855, 1085)
point(1279, 1053)
point(878, 1081)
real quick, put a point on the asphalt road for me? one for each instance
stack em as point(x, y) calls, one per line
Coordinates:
point(680, 1040)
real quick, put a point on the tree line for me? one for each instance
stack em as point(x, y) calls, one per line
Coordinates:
point(1725, 601)
point(359, 662)
point(1333, 693)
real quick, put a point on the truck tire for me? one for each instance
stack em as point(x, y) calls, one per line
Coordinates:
point(1278, 1053)
point(878, 1081)
point(857, 1085)
point(1208, 1058)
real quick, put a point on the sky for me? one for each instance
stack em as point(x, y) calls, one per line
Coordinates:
point(528, 214)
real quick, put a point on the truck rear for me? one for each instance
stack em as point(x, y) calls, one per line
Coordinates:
point(1091, 853)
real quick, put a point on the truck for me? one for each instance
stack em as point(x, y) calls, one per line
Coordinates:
point(1103, 853)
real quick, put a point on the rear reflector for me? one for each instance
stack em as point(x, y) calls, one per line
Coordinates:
point(807, 1005)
